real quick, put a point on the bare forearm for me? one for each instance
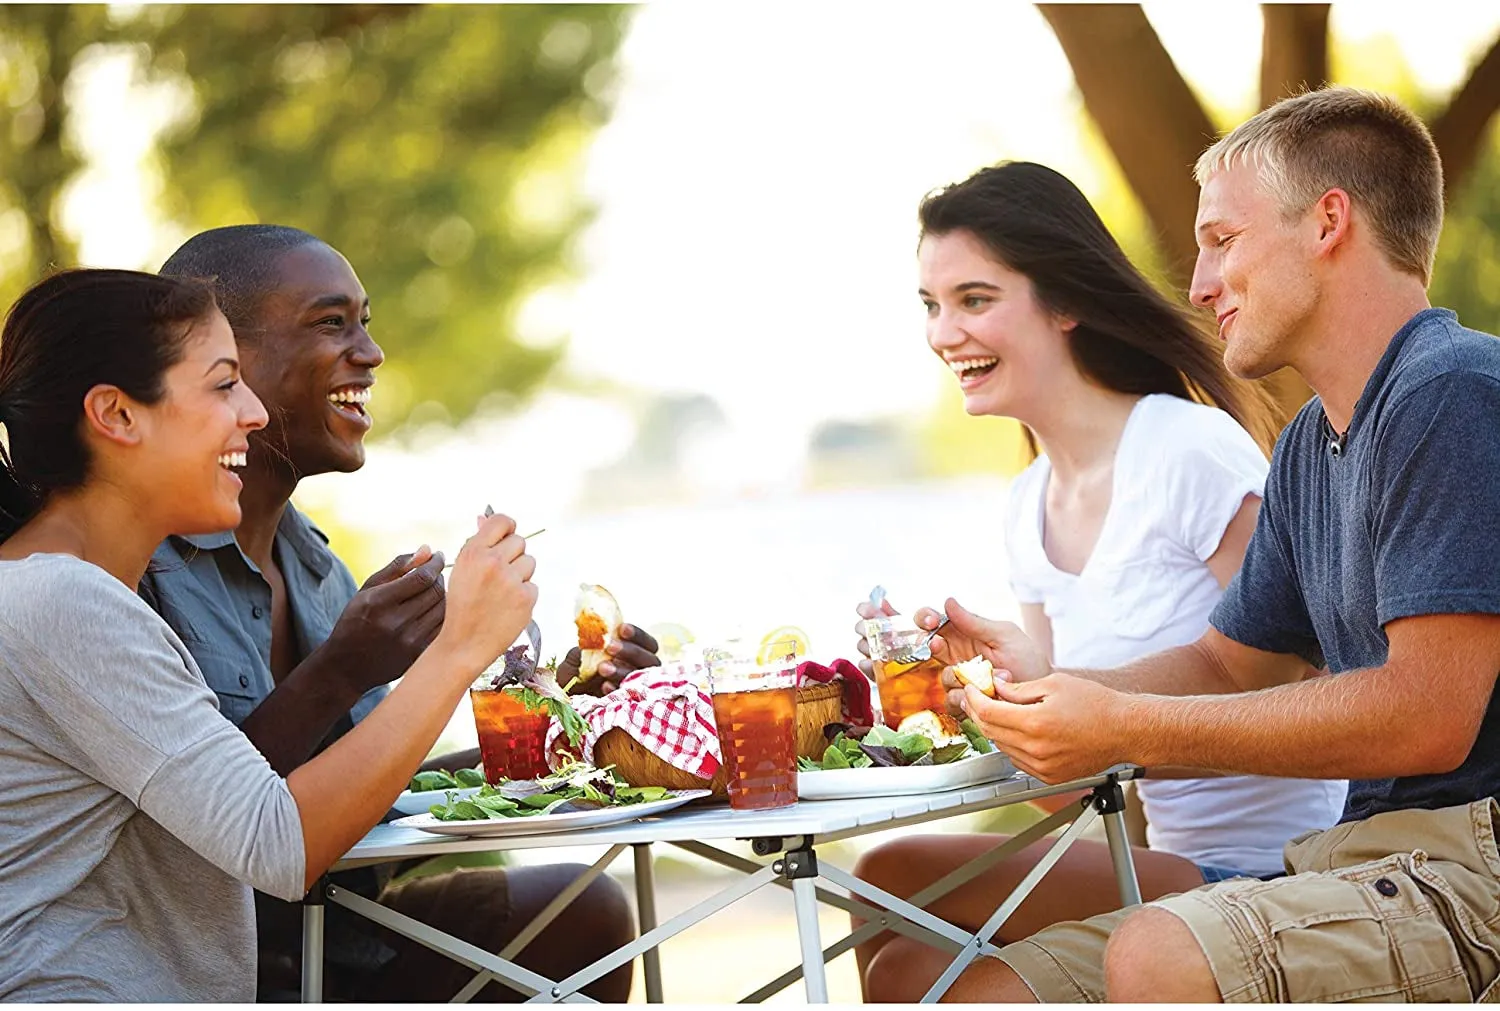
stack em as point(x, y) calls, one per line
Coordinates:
point(1361, 725)
point(295, 718)
point(1185, 670)
point(345, 790)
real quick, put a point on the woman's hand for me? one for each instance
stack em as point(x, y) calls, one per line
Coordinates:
point(490, 594)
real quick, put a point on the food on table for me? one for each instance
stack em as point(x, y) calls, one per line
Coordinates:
point(787, 642)
point(441, 779)
point(939, 728)
point(597, 615)
point(575, 787)
point(978, 672)
point(925, 738)
point(514, 703)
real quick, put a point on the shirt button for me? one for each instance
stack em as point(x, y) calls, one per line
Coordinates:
point(244, 681)
point(1387, 887)
point(256, 612)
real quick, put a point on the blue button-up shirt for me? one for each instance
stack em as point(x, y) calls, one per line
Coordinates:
point(218, 601)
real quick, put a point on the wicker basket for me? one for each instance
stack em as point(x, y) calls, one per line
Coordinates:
point(817, 706)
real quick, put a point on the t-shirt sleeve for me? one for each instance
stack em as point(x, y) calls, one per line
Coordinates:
point(1215, 468)
point(137, 719)
point(1263, 606)
point(1435, 500)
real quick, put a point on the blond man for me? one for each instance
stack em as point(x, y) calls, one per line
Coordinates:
point(1375, 558)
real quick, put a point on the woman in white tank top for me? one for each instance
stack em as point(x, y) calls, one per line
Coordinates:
point(1122, 534)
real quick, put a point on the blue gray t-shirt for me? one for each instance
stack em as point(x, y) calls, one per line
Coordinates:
point(1402, 520)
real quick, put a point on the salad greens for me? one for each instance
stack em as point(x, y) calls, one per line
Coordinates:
point(438, 779)
point(572, 724)
point(576, 787)
point(884, 747)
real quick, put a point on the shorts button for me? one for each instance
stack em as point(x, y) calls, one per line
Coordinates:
point(256, 612)
point(244, 681)
point(1387, 887)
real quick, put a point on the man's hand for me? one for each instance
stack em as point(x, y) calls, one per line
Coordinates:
point(1012, 652)
point(635, 651)
point(1056, 728)
point(389, 622)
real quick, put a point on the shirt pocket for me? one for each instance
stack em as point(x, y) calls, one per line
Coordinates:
point(1136, 597)
point(231, 676)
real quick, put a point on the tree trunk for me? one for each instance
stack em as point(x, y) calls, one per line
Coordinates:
point(1459, 130)
point(1294, 50)
point(1148, 115)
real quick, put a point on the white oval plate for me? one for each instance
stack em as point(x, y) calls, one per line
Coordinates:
point(842, 784)
point(421, 803)
point(543, 824)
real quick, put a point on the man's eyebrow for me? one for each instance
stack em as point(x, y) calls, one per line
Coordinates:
point(232, 363)
point(333, 302)
point(1208, 226)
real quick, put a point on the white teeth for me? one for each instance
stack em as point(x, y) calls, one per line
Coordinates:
point(962, 365)
point(232, 460)
point(351, 395)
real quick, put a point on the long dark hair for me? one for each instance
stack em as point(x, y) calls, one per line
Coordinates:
point(64, 336)
point(1129, 336)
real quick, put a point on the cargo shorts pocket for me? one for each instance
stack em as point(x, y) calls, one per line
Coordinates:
point(1366, 932)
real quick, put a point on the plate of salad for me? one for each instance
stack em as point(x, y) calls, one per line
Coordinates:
point(429, 788)
point(926, 753)
point(575, 797)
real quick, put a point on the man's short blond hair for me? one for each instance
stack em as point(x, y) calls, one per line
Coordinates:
point(1370, 146)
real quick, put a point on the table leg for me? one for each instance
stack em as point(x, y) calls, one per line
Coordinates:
point(805, 901)
point(645, 902)
point(1109, 801)
point(312, 945)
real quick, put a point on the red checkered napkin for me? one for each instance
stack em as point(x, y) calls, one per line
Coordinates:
point(661, 707)
point(666, 710)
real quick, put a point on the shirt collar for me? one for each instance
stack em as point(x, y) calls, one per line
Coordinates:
point(307, 542)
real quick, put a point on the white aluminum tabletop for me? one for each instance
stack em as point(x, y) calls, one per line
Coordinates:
point(823, 820)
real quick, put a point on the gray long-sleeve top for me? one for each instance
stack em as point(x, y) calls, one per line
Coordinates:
point(134, 818)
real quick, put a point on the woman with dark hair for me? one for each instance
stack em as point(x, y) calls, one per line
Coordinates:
point(134, 818)
point(1121, 534)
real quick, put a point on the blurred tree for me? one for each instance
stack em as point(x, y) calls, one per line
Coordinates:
point(1155, 125)
point(438, 147)
point(40, 46)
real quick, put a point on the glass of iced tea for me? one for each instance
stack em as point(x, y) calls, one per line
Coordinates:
point(512, 739)
point(755, 708)
point(907, 676)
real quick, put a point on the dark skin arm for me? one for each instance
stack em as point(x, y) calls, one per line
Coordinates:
point(385, 627)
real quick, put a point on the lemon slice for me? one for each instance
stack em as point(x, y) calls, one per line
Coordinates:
point(671, 639)
point(789, 640)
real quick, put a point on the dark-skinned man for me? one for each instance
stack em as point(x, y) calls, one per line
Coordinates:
point(297, 654)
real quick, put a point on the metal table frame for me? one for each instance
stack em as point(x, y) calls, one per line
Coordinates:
point(795, 834)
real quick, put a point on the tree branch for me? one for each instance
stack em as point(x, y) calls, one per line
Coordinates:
point(1122, 69)
point(1459, 130)
point(1294, 49)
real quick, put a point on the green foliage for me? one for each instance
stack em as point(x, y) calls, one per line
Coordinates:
point(1466, 276)
point(437, 147)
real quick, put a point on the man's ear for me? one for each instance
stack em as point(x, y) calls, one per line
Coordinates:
point(111, 414)
point(1333, 217)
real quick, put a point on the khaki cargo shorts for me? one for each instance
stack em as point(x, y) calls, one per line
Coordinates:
point(1401, 906)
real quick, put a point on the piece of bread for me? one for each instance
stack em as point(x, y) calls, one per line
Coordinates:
point(597, 616)
point(978, 672)
point(939, 728)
